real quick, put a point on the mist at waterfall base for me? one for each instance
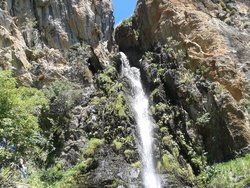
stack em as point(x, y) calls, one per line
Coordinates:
point(139, 102)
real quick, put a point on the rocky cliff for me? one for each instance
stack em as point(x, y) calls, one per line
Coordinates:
point(40, 34)
point(215, 39)
point(194, 61)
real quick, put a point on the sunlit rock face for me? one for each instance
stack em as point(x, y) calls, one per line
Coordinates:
point(199, 102)
point(208, 40)
point(36, 37)
point(64, 23)
point(216, 39)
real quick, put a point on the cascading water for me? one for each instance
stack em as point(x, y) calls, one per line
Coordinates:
point(139, 102)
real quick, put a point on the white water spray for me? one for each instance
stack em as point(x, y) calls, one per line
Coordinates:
point(140, 105)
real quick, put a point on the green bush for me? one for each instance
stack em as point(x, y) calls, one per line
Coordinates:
point(55, 177)
point(93, 144)
point(62, 97)
point(120, 105)
point(117, 145)
point(51, 175)
point(127, 22)
point(20, 108)
point(136, 164)
point(234, 173)
point(106, 79)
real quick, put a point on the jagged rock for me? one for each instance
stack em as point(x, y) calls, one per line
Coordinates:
point(13, 49)
point(200, 103)
point(30, 28)
point(64, 23)
point(112, 170)
point(220, 51)
point(208, 41)
point(126, 36)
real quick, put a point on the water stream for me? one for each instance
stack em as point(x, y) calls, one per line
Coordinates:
point(139, 102)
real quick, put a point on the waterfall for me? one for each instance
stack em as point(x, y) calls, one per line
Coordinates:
point(139, 102)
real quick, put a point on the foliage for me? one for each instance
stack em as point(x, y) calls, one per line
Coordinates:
point(51, 175)
point(219, 89)
point(234, 173)
point(127, 22)
point(224, 5)
point(172, 49)
point(78, 56)
point(148, 56)
point(117, 145)
point(19, 111)
point(105, 80)
point(186, 78)
point(120, 105)
point(129, 154)
point(136, 34)
point(6, 183)
point(93, 144)
point(171, 165)
point(62, 97)
point(136, 164)
point(113, 111)
point(55, 177)
point(172, 56)
point(204, 119)
point(122, 143)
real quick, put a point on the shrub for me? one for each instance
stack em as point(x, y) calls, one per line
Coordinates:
point(234, 173)
point(120, 105)
point(93, 144)
point(62, 97)
point(20, 108)
point(136, 164)
point(51, 175)
point(127, 22)
point(117, 145)
point(105, 80)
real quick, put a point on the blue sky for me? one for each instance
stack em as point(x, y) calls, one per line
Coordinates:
point(123, 9)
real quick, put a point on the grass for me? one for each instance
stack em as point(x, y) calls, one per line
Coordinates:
point(234, 173)
point(58, 178)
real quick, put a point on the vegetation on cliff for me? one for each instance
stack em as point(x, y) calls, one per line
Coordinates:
point(234, 173)
point(20, 108)
point(64, 109)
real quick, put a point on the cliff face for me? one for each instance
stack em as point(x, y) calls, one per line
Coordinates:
point(34, 32)
point(63, 23)
point(207, 39)
point(194, 61)
point(211, 35)
point(66, 49)
point(215, 37)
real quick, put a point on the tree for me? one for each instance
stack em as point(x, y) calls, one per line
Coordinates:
point(20, 108)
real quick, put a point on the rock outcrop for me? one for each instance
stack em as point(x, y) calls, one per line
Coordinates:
point(63, 23)
point(38, 34)
point(209, 41)
point(214, 46)
point(194, 57)
point(59, 47)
